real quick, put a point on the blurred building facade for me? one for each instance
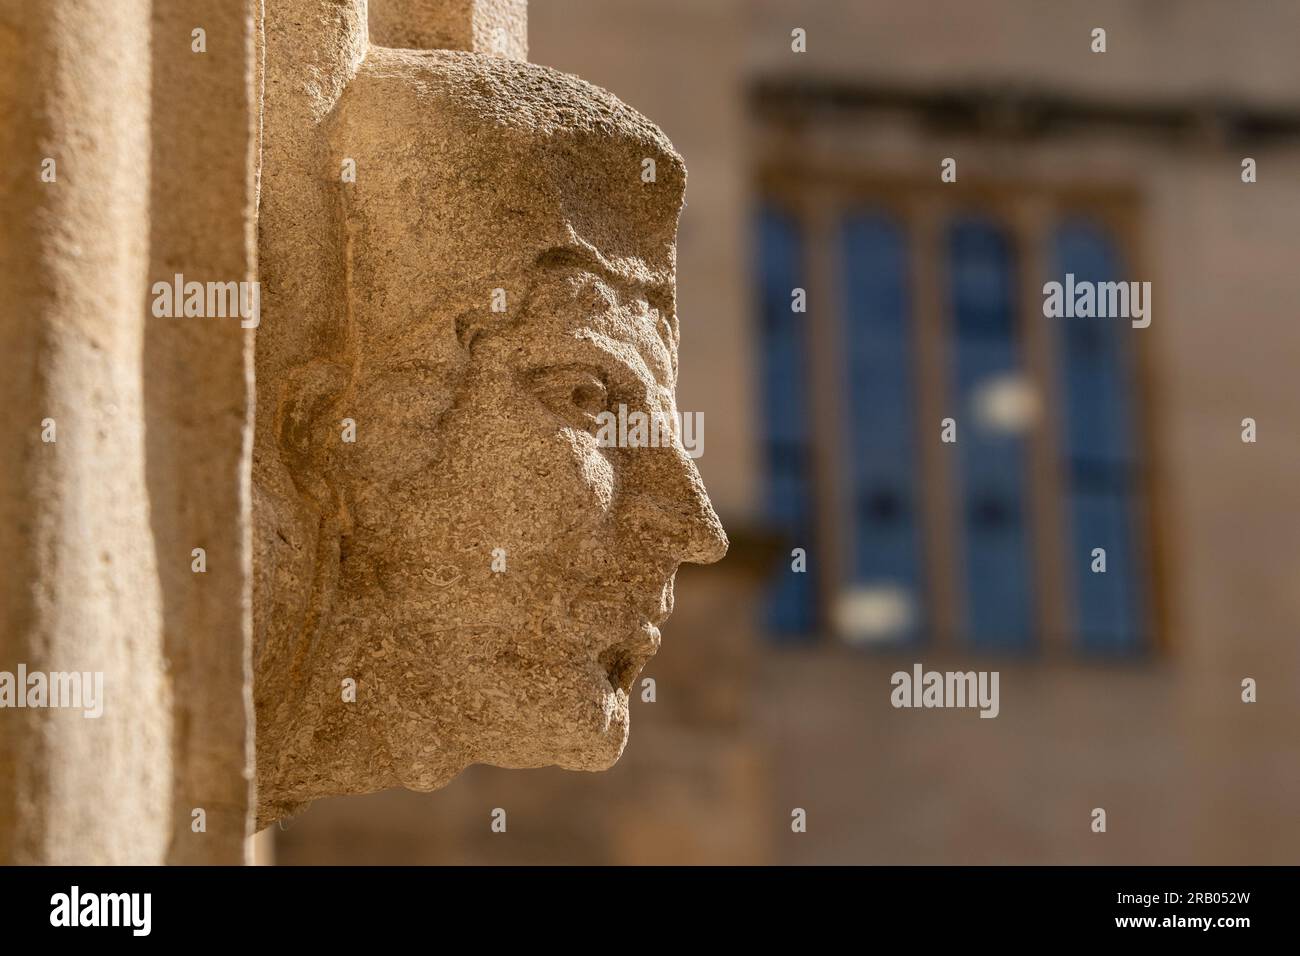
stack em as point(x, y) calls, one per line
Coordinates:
point(821, 171)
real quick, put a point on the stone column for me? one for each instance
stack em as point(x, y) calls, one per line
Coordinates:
point(198, 404)
point(128, 159)
point(81, 591)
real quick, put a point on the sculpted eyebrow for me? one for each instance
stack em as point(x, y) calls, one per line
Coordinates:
point(574, 257)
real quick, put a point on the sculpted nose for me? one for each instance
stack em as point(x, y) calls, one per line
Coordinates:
point(675, 508)
point(706, 539)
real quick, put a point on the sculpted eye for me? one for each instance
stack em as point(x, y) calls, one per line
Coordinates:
point(591, 397)
point(575, 393)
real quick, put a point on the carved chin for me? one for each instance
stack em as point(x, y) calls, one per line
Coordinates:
point(621, 665)
point(604, 742)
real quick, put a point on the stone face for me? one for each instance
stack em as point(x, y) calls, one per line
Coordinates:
point(489, 577)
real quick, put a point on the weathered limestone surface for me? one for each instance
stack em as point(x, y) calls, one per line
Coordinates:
point(199, 394)
point(153, 151)
point(495, 269)
point(479, 26)
point(81, 591)
point(497, 275)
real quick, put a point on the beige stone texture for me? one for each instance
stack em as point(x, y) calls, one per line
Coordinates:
point(461, 261)
point(480, 26)
point(488, 576)
point(151, 414)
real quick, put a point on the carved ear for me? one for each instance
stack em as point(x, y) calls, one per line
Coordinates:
point(303, 426)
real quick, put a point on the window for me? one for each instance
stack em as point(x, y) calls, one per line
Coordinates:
point(988, 366)
point(933, 310)
point(885, 575)
point(1103, 495)
point(786, 442)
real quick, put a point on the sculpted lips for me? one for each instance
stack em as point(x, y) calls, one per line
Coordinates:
point(624, 660)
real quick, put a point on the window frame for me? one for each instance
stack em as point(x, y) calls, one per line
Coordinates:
point(817, 196)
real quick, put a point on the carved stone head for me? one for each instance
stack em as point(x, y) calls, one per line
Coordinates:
point(438, 525)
